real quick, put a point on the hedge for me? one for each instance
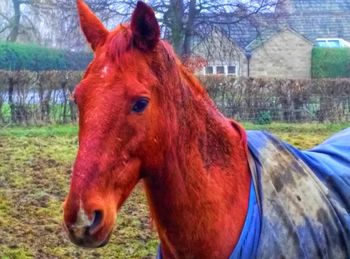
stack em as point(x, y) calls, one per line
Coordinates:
point(15, 56)
point(330, 63)
point(265, 100)
point(28, 97)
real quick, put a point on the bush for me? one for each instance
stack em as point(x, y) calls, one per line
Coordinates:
point(15, 56)
point(258, 100)
point(28, 97)
point(330, 63)
point(263, 118)
point(43, 97)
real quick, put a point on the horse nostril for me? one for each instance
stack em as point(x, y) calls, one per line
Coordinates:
point(97, 220)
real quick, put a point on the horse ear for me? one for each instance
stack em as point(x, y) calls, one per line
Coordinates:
point(91, 26)
point(145, 27)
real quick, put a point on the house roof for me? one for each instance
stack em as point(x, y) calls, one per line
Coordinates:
point(321, 25)
point(242, 32)
point(310, 18)
point(314, 6)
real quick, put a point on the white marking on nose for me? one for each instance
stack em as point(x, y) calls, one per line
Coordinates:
point(82, 219)
point(82, 222)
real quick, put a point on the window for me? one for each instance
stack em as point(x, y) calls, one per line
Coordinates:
point(321, 43)
point(209, 70)
point(332, 43)
point(220, 70)
point(231, 70)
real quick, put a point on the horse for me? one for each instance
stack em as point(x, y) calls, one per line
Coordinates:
point(214, 189)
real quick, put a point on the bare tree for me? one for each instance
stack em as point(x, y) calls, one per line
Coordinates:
point(180, 20)
point(19, 18)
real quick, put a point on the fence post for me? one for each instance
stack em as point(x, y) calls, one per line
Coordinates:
point(10, 99)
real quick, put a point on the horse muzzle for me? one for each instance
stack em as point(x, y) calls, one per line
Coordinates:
point(90, 232)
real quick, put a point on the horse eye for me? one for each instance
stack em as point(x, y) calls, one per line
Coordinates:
point(140, 105)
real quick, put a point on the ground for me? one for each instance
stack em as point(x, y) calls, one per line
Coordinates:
point(35, 166)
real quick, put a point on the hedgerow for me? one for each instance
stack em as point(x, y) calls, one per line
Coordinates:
point(28, 97)
point(330, 63)
point(15, 57)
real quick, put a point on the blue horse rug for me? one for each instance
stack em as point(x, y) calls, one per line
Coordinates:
point(303, 196)
point(299, 204)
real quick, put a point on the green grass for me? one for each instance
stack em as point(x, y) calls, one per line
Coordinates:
point(71, 130)
point(56, 113)
point(15, 253)
point(68, 130)
point(279, 127)
point(35, 168)
point(5, 111)
point(303, 135)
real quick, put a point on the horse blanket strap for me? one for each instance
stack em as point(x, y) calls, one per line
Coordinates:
point(247, 245)
point(304, 197)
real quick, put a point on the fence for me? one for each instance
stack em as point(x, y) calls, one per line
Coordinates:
point(43, 97)
point(37, 97)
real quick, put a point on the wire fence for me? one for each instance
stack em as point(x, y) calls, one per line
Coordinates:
point(320, 109)
point(30, 98)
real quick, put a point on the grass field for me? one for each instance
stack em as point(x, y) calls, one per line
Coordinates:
point(35, 166)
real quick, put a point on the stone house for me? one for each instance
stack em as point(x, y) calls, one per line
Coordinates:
point(278, 49)
point(224, 56)
point(285, 54)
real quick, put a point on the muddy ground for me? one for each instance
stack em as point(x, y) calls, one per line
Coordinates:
point(34, 179)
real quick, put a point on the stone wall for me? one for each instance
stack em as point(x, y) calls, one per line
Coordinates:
point(284, 55)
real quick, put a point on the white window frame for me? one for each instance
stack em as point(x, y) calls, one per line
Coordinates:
point(224, 67)
point(342, 43)
point(205, 72)
point(232, 74)
point(226, 73)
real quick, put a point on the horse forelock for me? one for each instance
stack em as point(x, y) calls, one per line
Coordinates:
point(162, 59)
point(119, 42)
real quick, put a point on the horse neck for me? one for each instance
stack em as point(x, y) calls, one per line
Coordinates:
point(199, 195)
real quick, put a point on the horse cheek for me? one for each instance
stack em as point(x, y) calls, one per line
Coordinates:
point(126, 180)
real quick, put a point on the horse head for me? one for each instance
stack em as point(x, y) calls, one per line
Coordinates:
point(118, 104)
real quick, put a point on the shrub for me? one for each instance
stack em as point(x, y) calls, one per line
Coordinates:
point(15, 56)
point(330, 63)
point(43, 97)
point(263, 118)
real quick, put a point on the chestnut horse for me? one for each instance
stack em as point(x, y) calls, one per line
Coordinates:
point(142, 115)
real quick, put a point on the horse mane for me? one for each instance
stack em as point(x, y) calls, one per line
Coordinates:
point(119, 43)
